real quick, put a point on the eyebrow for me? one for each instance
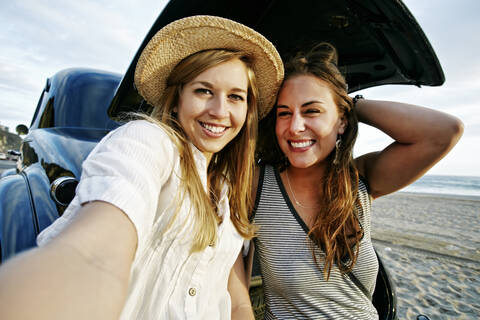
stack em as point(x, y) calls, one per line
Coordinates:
point(210, 86)
point(239, 90)
point(306, 104)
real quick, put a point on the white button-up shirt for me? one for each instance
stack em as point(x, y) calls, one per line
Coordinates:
point(136, 168)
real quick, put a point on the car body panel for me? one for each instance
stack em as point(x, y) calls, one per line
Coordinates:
point(384, 297)
point(8, 172)
point(74, 144)
point(71, 117)
point(44, 207)
point(17, 217)
point(72, 96)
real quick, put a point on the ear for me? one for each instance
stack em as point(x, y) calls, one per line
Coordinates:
point(343, 125)
point(175, 109)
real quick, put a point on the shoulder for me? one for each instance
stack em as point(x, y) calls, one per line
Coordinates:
point(143, 130)
point(257, 187)
point(363, 184)
point(135, 149)
point(139, 136)
point(258, 176)
point(364, 191)
point(364, 203)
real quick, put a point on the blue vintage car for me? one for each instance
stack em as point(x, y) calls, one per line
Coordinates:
point(379, 43)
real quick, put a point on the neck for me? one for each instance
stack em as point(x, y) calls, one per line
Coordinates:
point(305, 186)
point(208, 157)
point(306, 177)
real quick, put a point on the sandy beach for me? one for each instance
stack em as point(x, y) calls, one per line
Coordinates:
point(430, 244)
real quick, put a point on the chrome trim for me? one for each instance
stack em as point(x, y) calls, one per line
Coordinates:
point(58, 183)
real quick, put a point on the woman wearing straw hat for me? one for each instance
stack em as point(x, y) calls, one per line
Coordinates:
point(160, 213)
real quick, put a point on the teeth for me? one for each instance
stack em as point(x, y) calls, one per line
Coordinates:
point(214, 129)
point(302, 144)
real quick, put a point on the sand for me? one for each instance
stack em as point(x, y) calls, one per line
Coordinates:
point(430, 244)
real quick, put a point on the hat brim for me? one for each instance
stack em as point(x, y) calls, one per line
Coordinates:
point(187, 36)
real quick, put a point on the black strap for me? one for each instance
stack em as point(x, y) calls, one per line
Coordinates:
point(259, 191)
point(359, 285)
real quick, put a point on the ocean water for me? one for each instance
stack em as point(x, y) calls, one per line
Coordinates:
point(456, 185)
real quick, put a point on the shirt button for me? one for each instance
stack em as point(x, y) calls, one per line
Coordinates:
point(192, 291)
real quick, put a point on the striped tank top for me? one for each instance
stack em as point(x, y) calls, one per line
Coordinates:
point(293, 283)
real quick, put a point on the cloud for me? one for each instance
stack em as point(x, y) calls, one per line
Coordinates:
point(452, 28)
point(79, 33)
point(40, 38)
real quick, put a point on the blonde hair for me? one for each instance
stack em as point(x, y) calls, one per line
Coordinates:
point(233, 165)
point(335, 228)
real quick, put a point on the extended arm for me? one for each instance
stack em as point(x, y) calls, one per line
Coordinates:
point(237, 287)
point(422, 137)
point(83, 273)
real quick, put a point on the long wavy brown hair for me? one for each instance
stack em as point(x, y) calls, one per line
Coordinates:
point(336, 229)
point(234, 164)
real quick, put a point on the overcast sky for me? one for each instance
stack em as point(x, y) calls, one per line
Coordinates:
point(39, 38)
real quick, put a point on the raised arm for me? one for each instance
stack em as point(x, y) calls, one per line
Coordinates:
point(422, 137)
point(83, 273)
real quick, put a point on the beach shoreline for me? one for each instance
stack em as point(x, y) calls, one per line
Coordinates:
point(439, 195)
point(430, 244)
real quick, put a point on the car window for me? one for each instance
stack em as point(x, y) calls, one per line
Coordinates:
point(47, 118)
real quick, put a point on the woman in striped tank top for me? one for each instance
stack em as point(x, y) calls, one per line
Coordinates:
point(313, 199)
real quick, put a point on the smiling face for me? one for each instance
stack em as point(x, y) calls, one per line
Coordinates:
point(213, 106)
point(308, 121)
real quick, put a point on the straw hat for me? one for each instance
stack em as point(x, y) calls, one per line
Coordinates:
point(186, 36)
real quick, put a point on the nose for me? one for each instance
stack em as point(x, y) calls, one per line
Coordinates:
point(297, 123)
point(219, 106)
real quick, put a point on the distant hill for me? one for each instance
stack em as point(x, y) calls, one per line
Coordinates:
point(9, 140)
